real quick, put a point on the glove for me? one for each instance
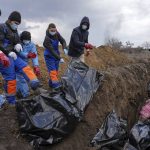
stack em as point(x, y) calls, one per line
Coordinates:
point(66, 51)
point(62, 61)
point(18, 47)
point(37, 71)
point(13, 55)
point(31, 55)
point(88, 46)
point(4, 59)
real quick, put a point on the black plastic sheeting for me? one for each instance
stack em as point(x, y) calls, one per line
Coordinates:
point(112, 135)
point(139, 137)
point(80, 83)
point(49, 117)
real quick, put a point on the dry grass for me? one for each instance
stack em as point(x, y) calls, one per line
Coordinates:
point(101, 58)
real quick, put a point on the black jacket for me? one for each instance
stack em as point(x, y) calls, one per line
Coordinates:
point(78, 39)
point(48, 45)
point(9, 35)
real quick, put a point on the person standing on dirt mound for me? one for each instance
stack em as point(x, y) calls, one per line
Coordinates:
point(79, 41)
point(52, 55)
point(29, 51)
point(10, 43)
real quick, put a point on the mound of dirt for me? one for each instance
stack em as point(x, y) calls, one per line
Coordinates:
point(101, 58)
point(105, 57)
point(124, 89)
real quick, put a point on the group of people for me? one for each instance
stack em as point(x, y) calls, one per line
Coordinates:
point(16, 50)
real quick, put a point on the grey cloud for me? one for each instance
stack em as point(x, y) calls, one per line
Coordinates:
point(30, 27)
point(40, 10)
point(106, 16)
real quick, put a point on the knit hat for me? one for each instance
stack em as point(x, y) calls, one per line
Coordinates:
point(25, 35)
point(52, 25)
point(15, 16)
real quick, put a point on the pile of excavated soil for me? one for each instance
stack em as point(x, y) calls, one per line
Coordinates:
point(100, 58)
point(124, 89)
point(105, 57)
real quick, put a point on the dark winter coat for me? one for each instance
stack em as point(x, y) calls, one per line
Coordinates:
point(8, 38)
point(78, 39)
point(48, 43)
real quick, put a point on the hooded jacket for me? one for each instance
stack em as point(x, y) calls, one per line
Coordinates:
point(49, 46)
point(78, 39)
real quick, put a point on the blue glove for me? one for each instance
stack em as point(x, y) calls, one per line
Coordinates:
point(66, 51)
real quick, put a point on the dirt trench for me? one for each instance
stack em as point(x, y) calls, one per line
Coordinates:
point(124, 89)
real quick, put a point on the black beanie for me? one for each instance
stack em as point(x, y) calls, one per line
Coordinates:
point(25, 35)
point(15, 16)
point(52, 25)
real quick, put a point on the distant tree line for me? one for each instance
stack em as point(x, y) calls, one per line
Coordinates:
point(117, 44)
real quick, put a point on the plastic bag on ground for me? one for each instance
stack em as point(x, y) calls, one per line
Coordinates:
point(129, 147)
point(139, 137)
point(112, 134)
point(49, 117)
point(80, 83)
point(42, 123)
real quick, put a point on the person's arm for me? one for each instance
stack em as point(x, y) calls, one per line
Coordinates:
point(17, 42)
point(88, 45)
point(87, 37)
point(47, 44)
point(62, 41)
point(5, 49)
point(23, 54)
point(16, 39)
point(76, 40)
point(4, 60)
point(35, 60)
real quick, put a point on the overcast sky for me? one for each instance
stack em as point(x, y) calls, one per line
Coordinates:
point(127, 20)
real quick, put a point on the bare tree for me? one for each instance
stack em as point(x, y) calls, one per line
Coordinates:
point(146, 45)
point(129, 44)
point(114, 43)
